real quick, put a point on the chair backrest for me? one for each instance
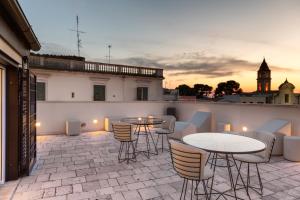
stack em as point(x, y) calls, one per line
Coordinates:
point(122, 131)
point(274, 125)
point(269, 140)
point(199, 118)
point(169, 123)
point(188, 161)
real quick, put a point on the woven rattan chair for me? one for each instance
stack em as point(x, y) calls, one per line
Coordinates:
point(123, 133)
point(189, 163)
point(255, 159)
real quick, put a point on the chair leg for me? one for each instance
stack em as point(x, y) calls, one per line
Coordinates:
point(208, 158)
point(259, 179)
point(192, 190)
point(184, 188)
point(205, 190)
point(127, 153)
point(120, 151)
point(133, 151)
point(248, 178)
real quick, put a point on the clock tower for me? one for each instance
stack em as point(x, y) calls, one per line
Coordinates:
point(264, 78)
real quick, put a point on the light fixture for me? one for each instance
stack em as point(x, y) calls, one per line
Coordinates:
point(245, 129)
point(95, 121)
point(227, 127)
point(38, 124)
point(139, 118)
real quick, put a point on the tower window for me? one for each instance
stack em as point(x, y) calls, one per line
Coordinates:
point(267, 87)
point(286, 98)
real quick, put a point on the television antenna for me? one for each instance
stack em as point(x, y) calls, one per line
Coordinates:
point(109, 46)
point(78, 32)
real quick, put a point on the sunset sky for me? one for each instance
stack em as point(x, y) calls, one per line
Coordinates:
point(194, 41)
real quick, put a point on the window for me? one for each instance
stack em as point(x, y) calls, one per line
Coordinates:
point(99, 92)
point(142, 93)
point(41, 91)
point(286, 98)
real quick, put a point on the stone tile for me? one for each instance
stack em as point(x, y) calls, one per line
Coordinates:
point(89, 186)
point(112, 182)
point(42, 177)
point(135, 186)
point(105, 191)
point(50, 184)
point(117, 196)
point(63, 190)
point(131, 195)
point(149, 193)
point(62, 175)
point(82, 195)
point(64, 197)
point(32, 195)
point(49, 192)
point(86, 167)
point(77, 188)
point(71, 181)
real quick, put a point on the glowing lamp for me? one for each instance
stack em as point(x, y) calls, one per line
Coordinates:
point(139, 118)
point(38, 124)
point(227, 127)
point(245, 129)
point(95, 121)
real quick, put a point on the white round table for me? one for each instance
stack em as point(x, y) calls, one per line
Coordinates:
point(224, 143)
point(228, 144)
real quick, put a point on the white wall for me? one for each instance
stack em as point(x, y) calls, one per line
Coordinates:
point(52, 115)
point(60, 85)
point(250, 115)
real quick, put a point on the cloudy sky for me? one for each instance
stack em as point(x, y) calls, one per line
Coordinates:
point(195, 41)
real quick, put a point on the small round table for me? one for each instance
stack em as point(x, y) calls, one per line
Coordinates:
point(226, 144)
point(141, 123)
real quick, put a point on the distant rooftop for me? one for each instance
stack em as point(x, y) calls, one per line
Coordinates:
point(78, 64)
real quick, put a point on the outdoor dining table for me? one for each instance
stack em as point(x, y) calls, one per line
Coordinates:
point(224, 145)
point(142, 127)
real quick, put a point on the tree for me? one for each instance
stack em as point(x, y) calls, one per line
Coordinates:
point(201, 90)
point(185, 90)
point(228, 88)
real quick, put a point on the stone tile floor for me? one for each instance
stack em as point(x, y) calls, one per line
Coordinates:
point(86, 167)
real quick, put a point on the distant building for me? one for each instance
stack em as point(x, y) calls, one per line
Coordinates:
point(284, 95)
point(71, 78)
point(170, 94)
point(263, 78)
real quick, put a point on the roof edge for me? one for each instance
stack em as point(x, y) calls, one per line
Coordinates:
point(17, 14)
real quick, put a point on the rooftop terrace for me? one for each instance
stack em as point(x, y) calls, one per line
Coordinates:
point(86, 167)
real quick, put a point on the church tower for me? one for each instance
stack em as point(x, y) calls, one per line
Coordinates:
point(264, 78)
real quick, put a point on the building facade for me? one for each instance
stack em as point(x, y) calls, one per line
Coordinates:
point(17, 85)
point(284, 95)
point(70, 78)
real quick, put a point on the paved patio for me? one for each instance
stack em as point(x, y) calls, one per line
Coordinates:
point(86, 167)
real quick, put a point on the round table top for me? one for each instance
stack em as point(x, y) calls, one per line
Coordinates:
point(143, 120)
point(224, 143)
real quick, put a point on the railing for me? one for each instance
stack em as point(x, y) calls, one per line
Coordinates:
point(40, 62)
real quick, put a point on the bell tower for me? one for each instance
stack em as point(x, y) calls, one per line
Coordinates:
point(264, 78)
